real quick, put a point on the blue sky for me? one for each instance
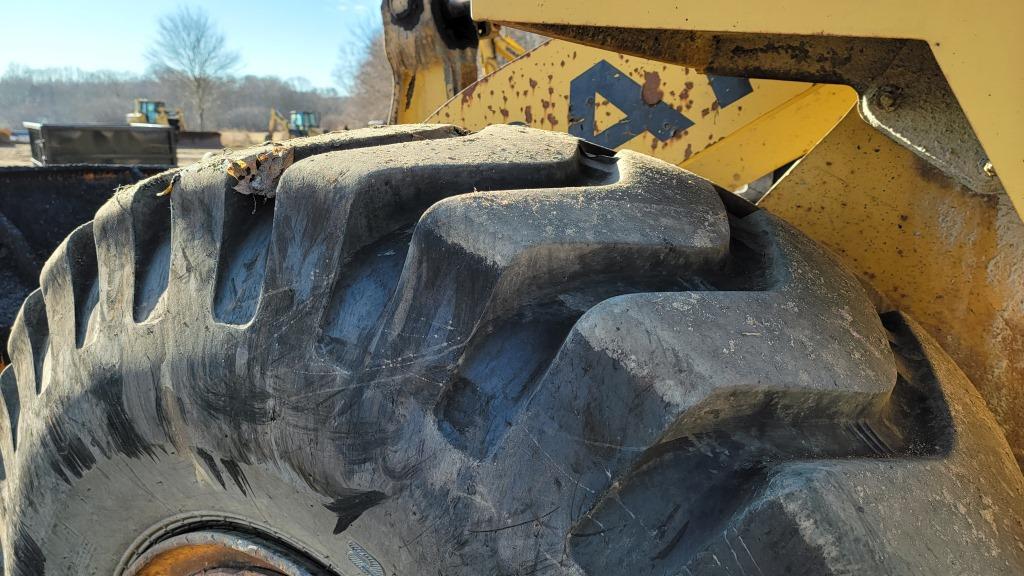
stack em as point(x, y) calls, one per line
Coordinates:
point(283, 38)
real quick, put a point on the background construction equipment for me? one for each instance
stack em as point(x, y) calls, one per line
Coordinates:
point(156, 112)
point(298, 123)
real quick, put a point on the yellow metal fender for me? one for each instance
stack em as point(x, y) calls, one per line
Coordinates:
point(928, 245)
point(978, 45)
point(418, 91)
point(722, 128)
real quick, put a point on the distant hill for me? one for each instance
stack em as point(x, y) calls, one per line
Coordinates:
point(242, 103)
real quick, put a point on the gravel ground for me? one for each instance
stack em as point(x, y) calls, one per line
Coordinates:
point(21, 155)
point(16, 155)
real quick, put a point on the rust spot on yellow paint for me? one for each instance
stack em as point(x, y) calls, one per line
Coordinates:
point(651, 92)
point(684, 90)
point(467, 94)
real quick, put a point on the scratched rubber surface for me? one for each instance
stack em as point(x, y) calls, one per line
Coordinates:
point(507, 352)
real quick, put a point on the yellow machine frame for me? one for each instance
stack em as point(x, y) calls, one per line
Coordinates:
point(537, 91)
point(917, 210)
point(918, 191)
point(978, 52)
point(493, 45)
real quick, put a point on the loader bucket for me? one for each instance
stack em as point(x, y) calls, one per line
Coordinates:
point(199, 139)
point(121, 144)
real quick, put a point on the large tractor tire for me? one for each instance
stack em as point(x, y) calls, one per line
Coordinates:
point(419, 351)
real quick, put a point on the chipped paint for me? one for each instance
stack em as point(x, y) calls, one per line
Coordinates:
point(651, 93)
point(927, 245)
point(670, 112)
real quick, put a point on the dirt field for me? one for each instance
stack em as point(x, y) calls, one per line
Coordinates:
point(240, 139)
point(17, 155)
point(21, 155)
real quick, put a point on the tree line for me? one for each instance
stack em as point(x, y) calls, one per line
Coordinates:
point(74, 96)
point(193, 72)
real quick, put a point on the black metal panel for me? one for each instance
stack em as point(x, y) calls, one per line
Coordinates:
point(102, 144)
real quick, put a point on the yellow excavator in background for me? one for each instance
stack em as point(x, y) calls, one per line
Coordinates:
point(148, 111)
point(496, 49)
point(298, 123)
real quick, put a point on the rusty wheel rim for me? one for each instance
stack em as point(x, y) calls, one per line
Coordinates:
point(219, 553)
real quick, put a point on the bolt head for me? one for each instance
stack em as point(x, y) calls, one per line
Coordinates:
point(888, 97)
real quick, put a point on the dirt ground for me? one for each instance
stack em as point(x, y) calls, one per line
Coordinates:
point(21, 155)
point(240, 138)
point(16, 155)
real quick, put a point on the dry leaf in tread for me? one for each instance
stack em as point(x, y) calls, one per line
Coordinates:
point(170, 186)
point(258, 174)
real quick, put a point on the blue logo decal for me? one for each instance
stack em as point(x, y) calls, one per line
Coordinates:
point(729, 89)
point(617, 87)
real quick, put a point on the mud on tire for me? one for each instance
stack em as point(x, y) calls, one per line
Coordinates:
point(508, 352)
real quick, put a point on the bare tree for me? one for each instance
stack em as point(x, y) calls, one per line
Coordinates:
point(355, 50)
point(190, 49)
point(364, 74)
point(72, 95)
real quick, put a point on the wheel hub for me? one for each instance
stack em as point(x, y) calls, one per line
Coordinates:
point(218, 553)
